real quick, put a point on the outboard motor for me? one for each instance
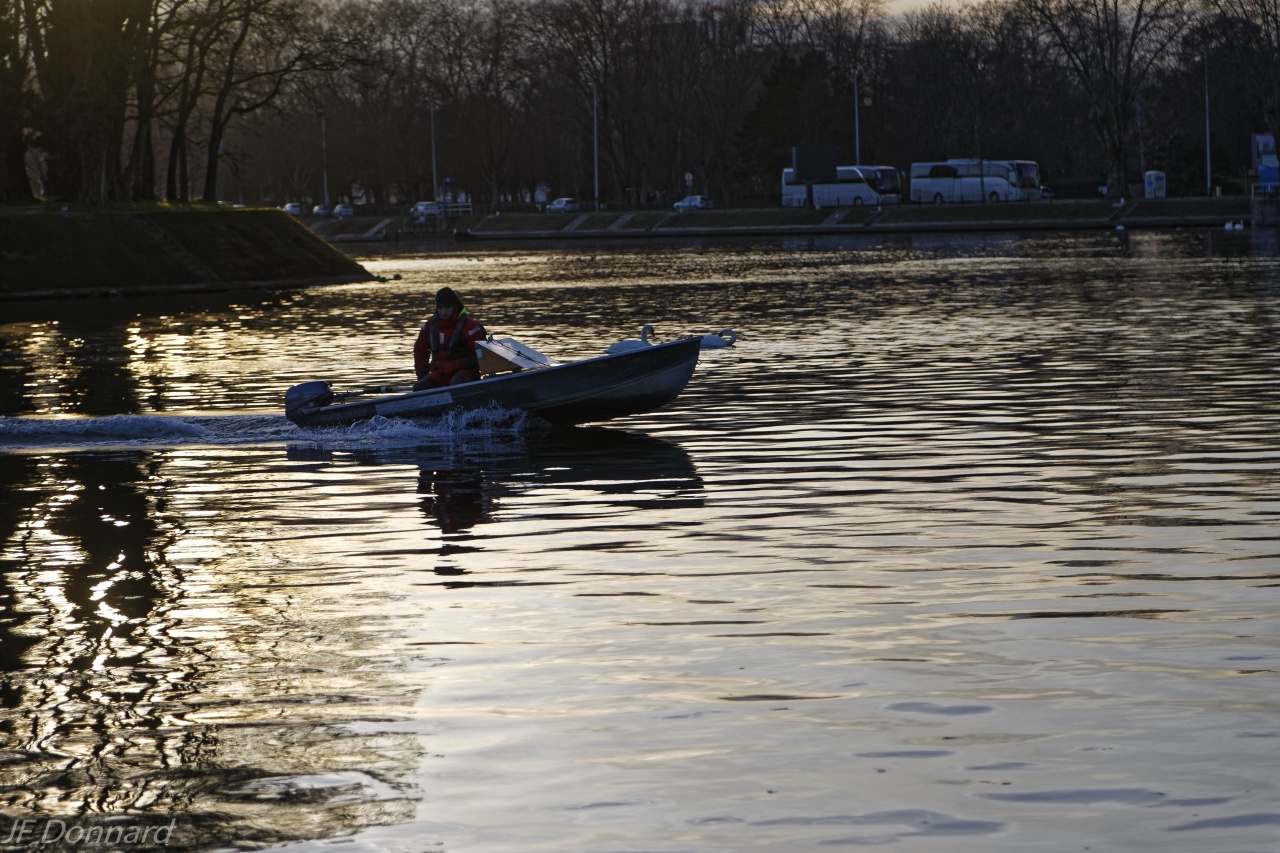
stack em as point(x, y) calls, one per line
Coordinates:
point(308, 395)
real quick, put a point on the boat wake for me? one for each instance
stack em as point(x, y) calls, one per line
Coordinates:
point(158, 431)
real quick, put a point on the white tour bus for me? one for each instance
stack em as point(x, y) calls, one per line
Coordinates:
point(851, 188)
point(976, 180)
point(885, 180)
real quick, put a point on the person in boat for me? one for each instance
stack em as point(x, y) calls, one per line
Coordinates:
point(445, 351)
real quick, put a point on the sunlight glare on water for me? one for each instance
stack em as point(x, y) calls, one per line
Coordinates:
point(967, 544)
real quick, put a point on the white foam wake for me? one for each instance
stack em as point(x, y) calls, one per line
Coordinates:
point(32, 433)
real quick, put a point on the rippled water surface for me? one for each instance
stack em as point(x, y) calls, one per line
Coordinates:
point(968, 544)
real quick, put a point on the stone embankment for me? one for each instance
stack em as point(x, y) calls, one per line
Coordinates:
point(890, 219)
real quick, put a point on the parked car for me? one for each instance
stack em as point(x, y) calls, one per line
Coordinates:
point(563, 205)
point(342, 211)
point(693, 202)
point(427, 208)
point(319, 210)
point(293, 208)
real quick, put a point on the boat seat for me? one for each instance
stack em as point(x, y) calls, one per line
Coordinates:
point(508, 356)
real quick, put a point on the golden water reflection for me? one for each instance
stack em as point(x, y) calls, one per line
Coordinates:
point(174, 649)
point(956, 549)
point(135, 669)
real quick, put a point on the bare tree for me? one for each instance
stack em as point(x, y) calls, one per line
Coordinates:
point(198, 29)
point(82, 53)
point(151, 72)
point(14, 64)
point(725, 82)
point(618, 67)
point(269, 42)
point(839, 28)
point(482, 74)
point(500, 93)
point(512, 91)
point(1111, 47)
point(938, 56)
point(583, 44)
point(229, 58)
point(1254, 31)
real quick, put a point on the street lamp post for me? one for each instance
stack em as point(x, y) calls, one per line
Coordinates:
point(1208, 163)
point(857, 129)
point(324, 155)
point(435, 180)
point(595, 138)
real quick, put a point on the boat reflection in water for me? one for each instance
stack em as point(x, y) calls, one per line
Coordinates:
point(463, 481)
point(455, 499)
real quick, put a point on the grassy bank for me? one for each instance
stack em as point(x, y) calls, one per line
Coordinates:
point(46, 250)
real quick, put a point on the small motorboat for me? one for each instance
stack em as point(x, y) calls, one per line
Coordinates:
point(588, 391)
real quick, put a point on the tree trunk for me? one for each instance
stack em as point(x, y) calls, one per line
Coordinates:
point(218, 121)
point(14, 184)
point(176, 179)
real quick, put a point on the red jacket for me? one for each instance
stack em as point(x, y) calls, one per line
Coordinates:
point(448, 343)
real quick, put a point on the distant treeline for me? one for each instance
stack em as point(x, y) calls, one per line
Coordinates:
point(267, 101)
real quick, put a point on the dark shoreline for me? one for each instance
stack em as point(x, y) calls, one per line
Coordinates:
point(178, 289)
point(160, 252)
point(156, 250)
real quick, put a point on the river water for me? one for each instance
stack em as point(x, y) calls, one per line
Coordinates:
point(967, 544)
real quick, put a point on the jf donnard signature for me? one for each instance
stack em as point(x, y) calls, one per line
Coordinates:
point(35, 832)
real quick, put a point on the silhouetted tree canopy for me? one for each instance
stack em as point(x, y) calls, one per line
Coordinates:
point(391, 101)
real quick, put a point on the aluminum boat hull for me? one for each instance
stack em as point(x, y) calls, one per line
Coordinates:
point(589, 391)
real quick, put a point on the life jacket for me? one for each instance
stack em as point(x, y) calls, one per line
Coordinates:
point(458, 347)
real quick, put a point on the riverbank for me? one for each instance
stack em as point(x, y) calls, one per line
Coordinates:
point(159, 249)
point(51, 253)
point(893, 219)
